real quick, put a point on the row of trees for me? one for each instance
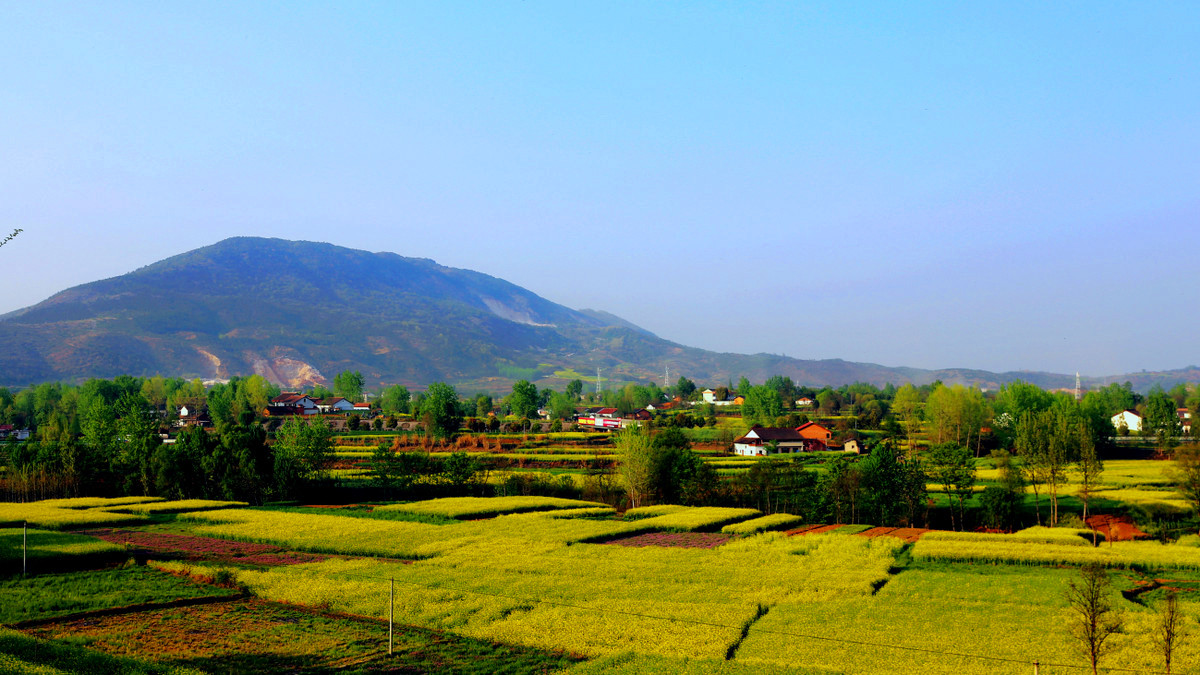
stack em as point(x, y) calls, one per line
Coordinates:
point(884, 487)
point(121, 452)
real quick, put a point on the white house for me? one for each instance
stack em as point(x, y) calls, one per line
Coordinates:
point(758, 441)
point(710, 396)
point(335, 405)
point(1185, 421)
point(1128, 419)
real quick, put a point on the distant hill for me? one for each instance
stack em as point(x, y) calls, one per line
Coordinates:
point(300, 312)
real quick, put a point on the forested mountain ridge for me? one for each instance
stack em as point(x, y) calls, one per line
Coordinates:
point(299, 312)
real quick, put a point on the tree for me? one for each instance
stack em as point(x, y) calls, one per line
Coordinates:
point(1001, 502)
point(138, 429)
point(1187, 473)
point(785, 387)
point(956, 414)
point(1161, 419)
point(1094, 618)
point(179, 467)
point(637, 467)
point(762, 405)
point(1044, 440)
point(892, 488)
point(907, 406)
point(685, 388)
point(460, 469)
point(395, 399)
point(523, 401)
point(953, 466)
point(483, 405)
point(676, 467)
point(242, 465)
point(1170, 629)
point(574, 389)
point(440, 411)
point(828, 402)
point(1090, 466)
point(303, 452)
point(349, 385)
point(562, 407)
point(100, 439)
point(843, 484)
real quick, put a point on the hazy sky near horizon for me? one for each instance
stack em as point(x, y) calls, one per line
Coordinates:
point(1006, 186)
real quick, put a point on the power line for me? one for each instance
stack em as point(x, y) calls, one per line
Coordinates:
point(697, 622)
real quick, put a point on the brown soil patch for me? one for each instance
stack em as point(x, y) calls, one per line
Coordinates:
point(909, 534)
point(803, 529)
point(675, 539)
point(205, 548)
point(822, 529)
point(1116, 528)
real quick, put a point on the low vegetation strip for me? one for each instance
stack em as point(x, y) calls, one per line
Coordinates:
point(1124, 554)
point(179, 506)
point(484, 507)
point(699, 518)
point(96, 502)
point(652, 511)
point(775, 521)
point(48, 516)
point(1060, 536)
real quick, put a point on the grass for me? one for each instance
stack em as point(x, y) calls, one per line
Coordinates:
point(50, 546)
point(52, 595)
point(22, 654)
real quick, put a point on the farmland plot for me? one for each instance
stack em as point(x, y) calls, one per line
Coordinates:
point(1004, 617)
point(614, 599)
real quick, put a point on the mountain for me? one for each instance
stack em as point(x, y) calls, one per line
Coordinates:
point(300, 312)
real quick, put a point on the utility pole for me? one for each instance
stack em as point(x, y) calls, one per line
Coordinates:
point(597, 379)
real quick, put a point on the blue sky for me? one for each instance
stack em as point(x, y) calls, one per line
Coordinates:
point(1007, 186)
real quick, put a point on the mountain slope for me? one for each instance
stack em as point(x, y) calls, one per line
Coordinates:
point(299, 312)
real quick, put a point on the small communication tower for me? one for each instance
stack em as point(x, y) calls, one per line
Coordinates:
point(1078, 389)
point(597, 380)
point(667, 377)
